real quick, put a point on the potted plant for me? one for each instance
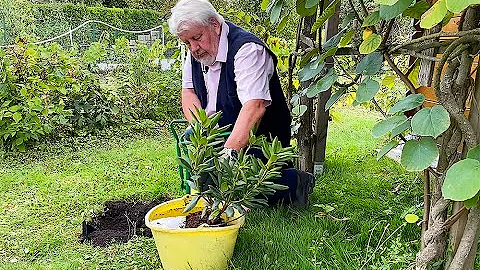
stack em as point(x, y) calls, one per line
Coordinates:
point(224, 188)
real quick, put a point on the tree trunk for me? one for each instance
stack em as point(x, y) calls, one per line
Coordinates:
point(305, 132)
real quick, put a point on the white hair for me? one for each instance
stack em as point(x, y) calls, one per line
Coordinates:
point(192, 12)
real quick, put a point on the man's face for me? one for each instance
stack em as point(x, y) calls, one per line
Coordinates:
point(202, 41)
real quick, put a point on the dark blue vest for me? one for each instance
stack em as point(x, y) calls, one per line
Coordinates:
point(276, 120)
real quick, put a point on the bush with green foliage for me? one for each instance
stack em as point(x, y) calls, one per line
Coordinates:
point(35, 82)
point(46, 90)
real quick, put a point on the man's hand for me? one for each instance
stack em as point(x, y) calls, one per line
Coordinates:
point(229, 154)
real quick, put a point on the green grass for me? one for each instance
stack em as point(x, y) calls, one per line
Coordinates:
point(45, 196)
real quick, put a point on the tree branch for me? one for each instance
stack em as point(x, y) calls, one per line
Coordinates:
point(446, 97)
point(435, 36)
point(468, 238)
point(419, 55)
point(355, 11)
point(402, 76)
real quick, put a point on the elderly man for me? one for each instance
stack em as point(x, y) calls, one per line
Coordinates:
point(231, 70)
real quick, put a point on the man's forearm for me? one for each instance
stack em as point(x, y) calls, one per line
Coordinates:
point(189, 102)
point(250, 115)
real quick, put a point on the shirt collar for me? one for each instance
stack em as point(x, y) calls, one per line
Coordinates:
point(223, 44)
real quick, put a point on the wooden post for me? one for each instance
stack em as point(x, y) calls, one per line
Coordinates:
point(322, 116)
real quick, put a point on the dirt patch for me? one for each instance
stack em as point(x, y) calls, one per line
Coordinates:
point(194, 220)
point(119, 222)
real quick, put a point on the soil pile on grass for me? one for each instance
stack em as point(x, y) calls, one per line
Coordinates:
point(119, 222)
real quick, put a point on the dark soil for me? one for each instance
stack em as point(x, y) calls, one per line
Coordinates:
point(194, 220)
point(119, 222)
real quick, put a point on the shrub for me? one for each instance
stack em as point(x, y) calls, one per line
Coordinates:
point(34, 84)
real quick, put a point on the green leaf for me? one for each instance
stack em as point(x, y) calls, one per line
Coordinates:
point(434, 15)
point(431, 121)
point(264, 4)
point(310, 70)
point(192, 204)
point(282, 24)
point(328, 53)
point(456, 6)
point(417, 10)
point(408, 103)
point(323, 84)
point(370, 44)
point(367, 90)
point(370, 64)
point(386, 2)
point(474, 153)
point(411, 218)
point(349, 17)
point(419, 155)
point(327, 13)
point(17, 116)
point(302, 11)
point(275, 13)
point(389, 81)
point(462, 180)
point(308, 56)
point(335, 97)
point(347, 38)
point(472, 202)
point(390, 12)
point(299, 110)
point(333, 41)
point(401, 128)
point(386, 148)
point(372, 19)
point(14, 108)
point(385, 126)
point(311, 3)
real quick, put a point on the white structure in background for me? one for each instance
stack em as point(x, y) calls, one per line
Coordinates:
point(152, 35)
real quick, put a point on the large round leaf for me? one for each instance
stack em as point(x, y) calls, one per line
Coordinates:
point(385, 126)
point(310, 70)
point(323, 84)
point(335, 97)
point(275, 12)
point(370, 44)
point(370, 64)
point(299, 110)
point(311, 3)
point(431, 121)
point(408, 103)
point(419, 155)
point(456, 6)
point(367, 90)
point(474, 153)
point(390, 12)
point(462, 180)
point(372, 19)
point(401, 128)
point(302, 11)
point(417, 10)
point(386, 148)
point(386, 2)
point(434, 15)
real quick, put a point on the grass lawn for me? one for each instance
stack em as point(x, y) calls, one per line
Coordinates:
point(45, 197)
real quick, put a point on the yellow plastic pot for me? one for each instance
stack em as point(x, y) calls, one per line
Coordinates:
point(202, 248)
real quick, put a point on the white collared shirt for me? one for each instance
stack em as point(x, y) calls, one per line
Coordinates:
point(253, 68)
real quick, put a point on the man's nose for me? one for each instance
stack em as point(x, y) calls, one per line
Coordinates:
point(194, 46)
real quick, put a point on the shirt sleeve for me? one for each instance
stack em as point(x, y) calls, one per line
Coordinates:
point(187, 81)
point(253, 67)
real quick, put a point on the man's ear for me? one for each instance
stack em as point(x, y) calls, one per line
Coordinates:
point(216, 25)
